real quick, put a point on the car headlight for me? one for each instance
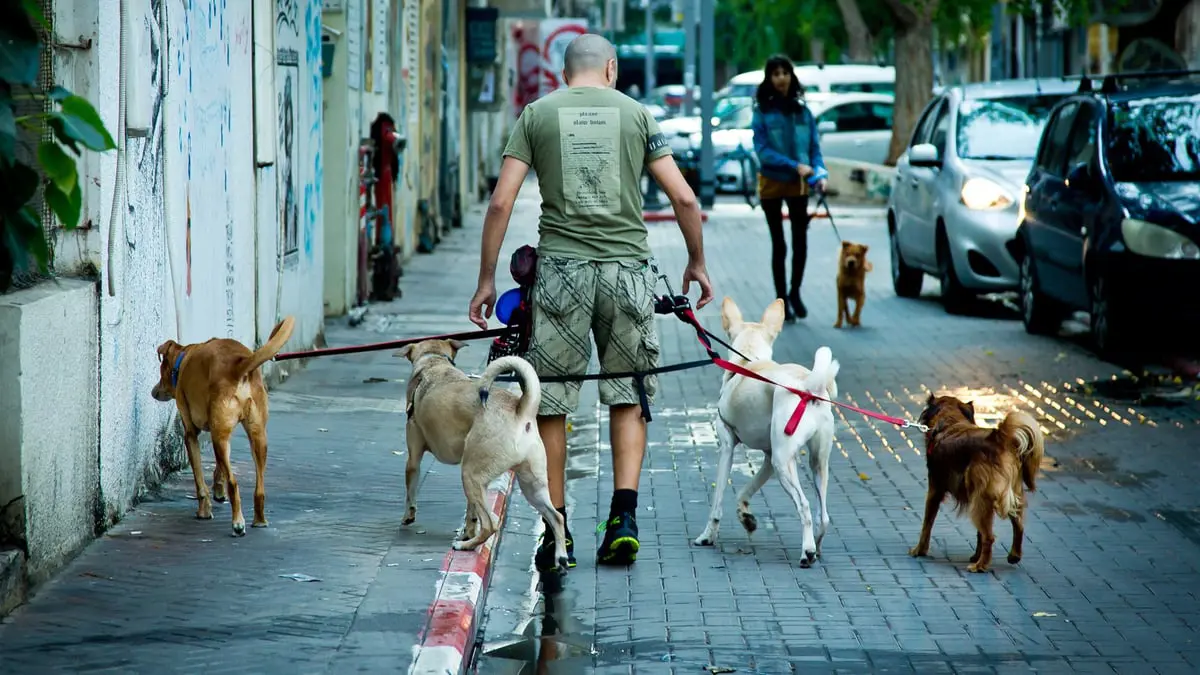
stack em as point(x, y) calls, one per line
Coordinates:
point(982, 194)
point(1156, 241)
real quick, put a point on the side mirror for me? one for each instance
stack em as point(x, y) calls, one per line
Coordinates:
point(826, 127)
point(924, 154)
point(1080, 177)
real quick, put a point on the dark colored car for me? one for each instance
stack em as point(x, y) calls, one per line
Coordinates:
point(1110, 222)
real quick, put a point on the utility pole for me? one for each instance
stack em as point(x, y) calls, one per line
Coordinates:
point(650, 83)
point(707, 59)
point(689, 55)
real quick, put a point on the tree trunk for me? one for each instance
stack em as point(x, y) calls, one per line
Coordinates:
point(862, 46)
point(914, 78)
point(816, 49)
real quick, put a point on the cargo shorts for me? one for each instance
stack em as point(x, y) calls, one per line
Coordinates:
point(614, 301)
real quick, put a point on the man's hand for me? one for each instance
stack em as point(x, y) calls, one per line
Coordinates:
point(822, 184)
point(698, 273)
point(485, 297)
point(804, 170)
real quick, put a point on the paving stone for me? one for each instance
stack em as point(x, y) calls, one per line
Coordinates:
point(1111, 538)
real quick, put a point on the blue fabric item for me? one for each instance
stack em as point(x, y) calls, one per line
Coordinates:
point(783, 141)
point(507, 303)
point(175, 370)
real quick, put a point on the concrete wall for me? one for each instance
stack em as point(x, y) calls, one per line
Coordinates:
point(48, 445)
point(192, 236)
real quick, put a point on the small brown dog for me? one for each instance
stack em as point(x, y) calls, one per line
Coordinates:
point(852, 281)
point(217, 385)
point(985, 470)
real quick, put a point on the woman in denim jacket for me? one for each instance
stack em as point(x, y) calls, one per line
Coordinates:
point(789, 157)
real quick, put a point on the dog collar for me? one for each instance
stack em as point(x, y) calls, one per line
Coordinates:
point(175, 369)
point(440, 356)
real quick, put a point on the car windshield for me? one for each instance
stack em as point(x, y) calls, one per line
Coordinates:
point(1002, 128)
point(1155, 140)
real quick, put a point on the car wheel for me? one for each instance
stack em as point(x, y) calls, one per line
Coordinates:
point(906, 281)
point(1040, 314)
point(954, 296)
point(1111, 330)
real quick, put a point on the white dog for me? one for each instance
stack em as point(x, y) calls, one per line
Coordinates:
point(754, 414)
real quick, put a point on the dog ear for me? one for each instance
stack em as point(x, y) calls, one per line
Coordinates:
point(731, 316)
point(772, 318)
point(165, 347)
point(846, 244)
point(458, 344)
point(404, 352)
point(929, 401)
point(971, 407)
point(865, 248)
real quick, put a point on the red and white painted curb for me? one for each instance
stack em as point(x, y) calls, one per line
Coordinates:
point(449, 638)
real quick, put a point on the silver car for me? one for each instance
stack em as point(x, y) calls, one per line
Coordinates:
point(952, 212)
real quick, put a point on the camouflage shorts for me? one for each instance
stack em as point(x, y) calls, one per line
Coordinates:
point(614, 301)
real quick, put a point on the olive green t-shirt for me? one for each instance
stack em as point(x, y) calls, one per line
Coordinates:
point(588, 146)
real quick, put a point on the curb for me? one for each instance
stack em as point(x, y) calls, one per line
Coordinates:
point(447, 644)
point(12, 580)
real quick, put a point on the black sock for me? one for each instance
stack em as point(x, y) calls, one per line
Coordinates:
point(623, 501)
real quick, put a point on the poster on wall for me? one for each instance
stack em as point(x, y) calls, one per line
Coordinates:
point(556, 35)
point(287, 78)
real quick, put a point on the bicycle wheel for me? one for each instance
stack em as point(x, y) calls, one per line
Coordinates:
point(749, 180)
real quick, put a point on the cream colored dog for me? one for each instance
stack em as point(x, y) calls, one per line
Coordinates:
point(754, 414)
point(462, 421)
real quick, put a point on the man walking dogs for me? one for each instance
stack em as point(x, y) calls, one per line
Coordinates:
point(588, 144)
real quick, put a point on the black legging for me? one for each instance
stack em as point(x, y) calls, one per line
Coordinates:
point(798, 215)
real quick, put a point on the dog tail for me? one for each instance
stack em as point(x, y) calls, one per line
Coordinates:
point(279, 337)
point(531, 386)
point(821, 379)
point(1030, 445)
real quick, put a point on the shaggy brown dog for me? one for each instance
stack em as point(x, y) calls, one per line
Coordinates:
point(852, 281)
point(985, 470)
point(216, 385)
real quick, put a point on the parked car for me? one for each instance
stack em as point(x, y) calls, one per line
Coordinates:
point(723, 107)
point(825, 79)
point(681, 132)
point(1110, 219)
point(852, 126)
point(953, 205)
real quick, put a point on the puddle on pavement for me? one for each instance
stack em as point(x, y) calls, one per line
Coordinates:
point(554, 640)
point(1102, 467)
point(1148, 389)
point(1107, 512)
point(1186, 522)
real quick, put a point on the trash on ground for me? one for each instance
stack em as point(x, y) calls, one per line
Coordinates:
point(299, 577)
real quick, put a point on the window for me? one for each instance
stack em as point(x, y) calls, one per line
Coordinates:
point(860, 116)
point(921, 131)
point(1002, 128)
point(864, 87)
point(1155, 139)
point(1053, 154)
point(941, 129)
point(1082, 149)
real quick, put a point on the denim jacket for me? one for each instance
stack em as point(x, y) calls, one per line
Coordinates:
point(783, 141)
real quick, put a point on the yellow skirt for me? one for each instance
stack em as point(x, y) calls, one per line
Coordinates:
point(769, 188)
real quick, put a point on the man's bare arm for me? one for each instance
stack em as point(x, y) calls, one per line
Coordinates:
point(499, 211)
point(683, 201)
point(687, 212)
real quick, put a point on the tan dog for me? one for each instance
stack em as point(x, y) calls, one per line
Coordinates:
point(463, 421)
point(217, 385)
point(852, 281)
point(754, 414)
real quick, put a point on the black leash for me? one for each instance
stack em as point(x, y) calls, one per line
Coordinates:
point(828, 214)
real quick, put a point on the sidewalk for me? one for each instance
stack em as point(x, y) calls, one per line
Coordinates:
point(1109, 581)
point(163, 592)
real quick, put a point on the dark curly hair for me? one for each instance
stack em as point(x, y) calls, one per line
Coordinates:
point(767, 95)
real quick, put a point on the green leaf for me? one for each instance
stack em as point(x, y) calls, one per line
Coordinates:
point(20, 183)
point(34, 9)
point(60, 132)
point(27, 231)
point(83, 123)
point(67, 206)
point(19, 46)
point(8, 135)
point(58, 165)
point(59, 93)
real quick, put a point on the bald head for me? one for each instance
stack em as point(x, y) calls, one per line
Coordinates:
point(588, 56)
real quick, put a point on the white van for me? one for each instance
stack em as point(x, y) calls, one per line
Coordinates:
point(833, 78)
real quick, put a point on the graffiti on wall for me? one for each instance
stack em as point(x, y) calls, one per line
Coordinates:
point(150, 158)
point(538, 48)
point(312, 189)
point(287, 80)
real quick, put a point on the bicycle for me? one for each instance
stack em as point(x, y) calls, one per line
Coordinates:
point(748, 163)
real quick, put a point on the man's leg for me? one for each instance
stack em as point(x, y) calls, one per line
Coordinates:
point(559, 345)
point(627, 341)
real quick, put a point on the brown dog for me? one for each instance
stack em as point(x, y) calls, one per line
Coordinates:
point(217, 385)
point(852, 281)
point(985, 470)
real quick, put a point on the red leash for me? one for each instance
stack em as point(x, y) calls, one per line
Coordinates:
point(689, 317)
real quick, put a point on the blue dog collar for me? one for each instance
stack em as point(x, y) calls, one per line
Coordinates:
point(175, 370)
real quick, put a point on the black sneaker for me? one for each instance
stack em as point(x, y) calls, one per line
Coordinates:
point(544, 560)
point(620, 546)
